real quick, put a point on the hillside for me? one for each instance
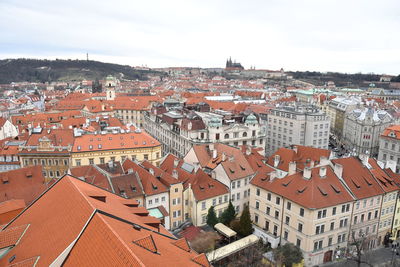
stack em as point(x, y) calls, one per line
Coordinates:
point(33, 70)
point(340, 79)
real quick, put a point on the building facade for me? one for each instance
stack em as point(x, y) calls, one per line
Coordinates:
point(362, 129)
point(300, 125)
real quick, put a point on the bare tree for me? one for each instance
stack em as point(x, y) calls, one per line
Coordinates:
point(360, 247)
point(204, 242)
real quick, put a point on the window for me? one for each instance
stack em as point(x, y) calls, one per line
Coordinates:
point(287, 220)
point(257, 205)
point(285, 235)
point(203, 205)
point(318, 245)
point(288, 205)
point(376, 214)
point(102, 161)
point(298, 242)
point(268, 211)
point(276, 214)
point(330, 241)
point(150, 201)
point(301, 212)
point(238, 196)
point(256, 218)
point(156, 200)
point(91, 161)
point(333, 211)
point(341, 238)
point(258, 192)
point(226, 198)
point(321, 214)
point(203, 219)
point(319, 229)
point(214, 201)
point(233, 185)
point(300, 227)
point(146, 156)
point(162, 198)
point(78, 162)
point(332, 225)
point(269, 196)
point(278, 200)
point(355, 219)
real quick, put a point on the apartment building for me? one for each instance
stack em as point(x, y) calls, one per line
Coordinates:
point(337, 111)
point(7, 129)
point(300, 125)
point(100, 148)
point(50, 148)
point(362, 129)
point(227, 165)
point(389, 147)
point(200, 190)
point(179, 130)
point(369, 196)
point(311, 209)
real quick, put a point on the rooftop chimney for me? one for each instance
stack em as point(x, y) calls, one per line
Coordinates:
point(338, 169)
point(151, 171)
point(175, 173)
point(307, 173)
point(214, 153)
point(277, 158)
point(272, 175)
point(323, 161)
point(231, 158)
point(295, 149)
point(322, 171)
point(364, 157)
point(248, 150)
point(292, 167)
point(223, 156)
point(176, 162)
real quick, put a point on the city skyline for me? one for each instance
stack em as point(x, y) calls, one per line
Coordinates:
point(356, 36)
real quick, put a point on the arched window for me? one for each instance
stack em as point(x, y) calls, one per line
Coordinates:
point(245, 134)
point(226, 136)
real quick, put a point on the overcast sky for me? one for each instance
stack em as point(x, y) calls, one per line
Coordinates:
point(323, 35)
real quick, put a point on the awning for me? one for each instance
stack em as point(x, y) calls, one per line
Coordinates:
point(224, 230)
point(232, 248)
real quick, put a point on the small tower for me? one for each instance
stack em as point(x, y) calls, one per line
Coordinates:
point(110, 87)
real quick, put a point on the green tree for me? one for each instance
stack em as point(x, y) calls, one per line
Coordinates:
point(228, 215)
point(245, 226)
point(288, 254)
point(212, 217)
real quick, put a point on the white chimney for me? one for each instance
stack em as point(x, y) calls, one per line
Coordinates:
point(151, 171)
point(176, 162)
point(307, 173)
point(364, 157)
point(323, 161)
point(130, 171)
point(231, 158)
point(338, 169)
point(295, 149)
point(272, 175)
point(391, 164)
point(175, 174)
point(277, 158)
point(322, 171)
point(292, 167)
point(248, 150)
point(214, 153)
point(223, 156)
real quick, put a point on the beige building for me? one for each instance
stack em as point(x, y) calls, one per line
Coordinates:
point(389, 148)
point(311, 209)
point(91, 149)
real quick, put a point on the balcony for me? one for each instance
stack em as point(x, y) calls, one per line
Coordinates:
point(266, 236)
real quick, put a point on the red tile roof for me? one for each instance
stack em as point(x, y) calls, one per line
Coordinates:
point(205, 187)
point(358, 178)
point(314, 193)
point(101, 142)
point(95, 228)
point(392, 132)
point(303, 157)
point(25, 183)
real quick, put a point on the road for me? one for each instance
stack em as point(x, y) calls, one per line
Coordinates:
point(378, 257)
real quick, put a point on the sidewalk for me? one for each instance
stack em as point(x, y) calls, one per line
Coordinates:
point(378, 257)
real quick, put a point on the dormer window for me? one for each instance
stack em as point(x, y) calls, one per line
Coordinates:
point(90, 147)
point(79, 147)
point(99, 146)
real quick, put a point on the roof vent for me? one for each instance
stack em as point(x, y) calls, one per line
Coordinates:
point(137, 227)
